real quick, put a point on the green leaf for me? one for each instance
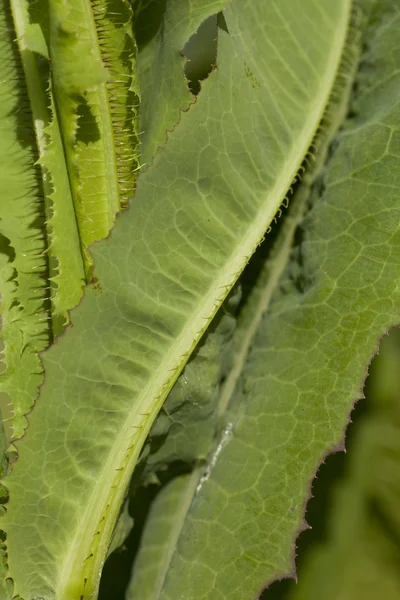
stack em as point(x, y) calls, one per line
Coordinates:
point(200, 211)
point(23, 264)
point(307, 365)
point(95, 91)
point(24, 319)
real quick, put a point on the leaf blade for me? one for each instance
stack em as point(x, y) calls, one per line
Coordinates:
point(146, 338)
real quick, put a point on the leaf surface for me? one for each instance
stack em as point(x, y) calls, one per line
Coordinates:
point(199, 213)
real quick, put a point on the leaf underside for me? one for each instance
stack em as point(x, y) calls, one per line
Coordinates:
point(199, 212)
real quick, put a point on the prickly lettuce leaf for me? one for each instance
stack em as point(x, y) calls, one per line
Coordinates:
point(307, 365)
point(186, 421)
point(96, 100)
point(42, 243)
point(65, 275)
point(200, 211)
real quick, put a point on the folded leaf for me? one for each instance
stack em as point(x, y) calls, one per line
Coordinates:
point(23, 262)
point(66, 270)
point(92, 56)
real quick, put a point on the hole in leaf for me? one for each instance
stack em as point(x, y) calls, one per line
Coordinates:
point(221, 22)
point(6, 248)
point(148, 17)
point(201, 52)
point(88, 130)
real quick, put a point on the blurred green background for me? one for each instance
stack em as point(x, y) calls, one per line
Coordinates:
point(352, 551)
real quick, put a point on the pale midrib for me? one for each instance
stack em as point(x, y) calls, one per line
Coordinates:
point(113, 201)
point(75, 559)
